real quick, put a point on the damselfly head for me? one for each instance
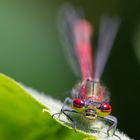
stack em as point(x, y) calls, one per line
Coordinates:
point(97, 109)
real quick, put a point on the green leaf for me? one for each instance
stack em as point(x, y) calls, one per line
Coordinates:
point(22, 117)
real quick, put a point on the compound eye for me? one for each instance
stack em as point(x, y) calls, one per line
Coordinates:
point(105, 107)
point(79, 103)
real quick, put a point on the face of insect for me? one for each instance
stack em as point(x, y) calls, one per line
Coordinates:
point(97, 109)
point(91, 109)
point(94, 109)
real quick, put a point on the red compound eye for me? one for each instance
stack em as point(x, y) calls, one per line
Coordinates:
point(105, 107)
point(78, 103)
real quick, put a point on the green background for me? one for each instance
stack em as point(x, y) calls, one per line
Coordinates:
point(31, 52)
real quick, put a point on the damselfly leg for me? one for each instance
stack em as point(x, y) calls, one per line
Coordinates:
point(113, 126)
point(66, 110)
point(114, 122)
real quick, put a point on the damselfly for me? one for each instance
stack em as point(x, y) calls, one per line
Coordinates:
point(89, 98)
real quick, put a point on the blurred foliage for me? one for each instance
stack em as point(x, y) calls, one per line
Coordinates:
point(136, 42)
point(30, 52)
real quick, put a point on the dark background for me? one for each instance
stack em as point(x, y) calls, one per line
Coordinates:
point(31, 52)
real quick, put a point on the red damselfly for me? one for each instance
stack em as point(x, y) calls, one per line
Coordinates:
point(89, 97)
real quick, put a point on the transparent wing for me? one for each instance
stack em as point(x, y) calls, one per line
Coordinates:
point(105, 94)
point(108, 30)
point(75, 34)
